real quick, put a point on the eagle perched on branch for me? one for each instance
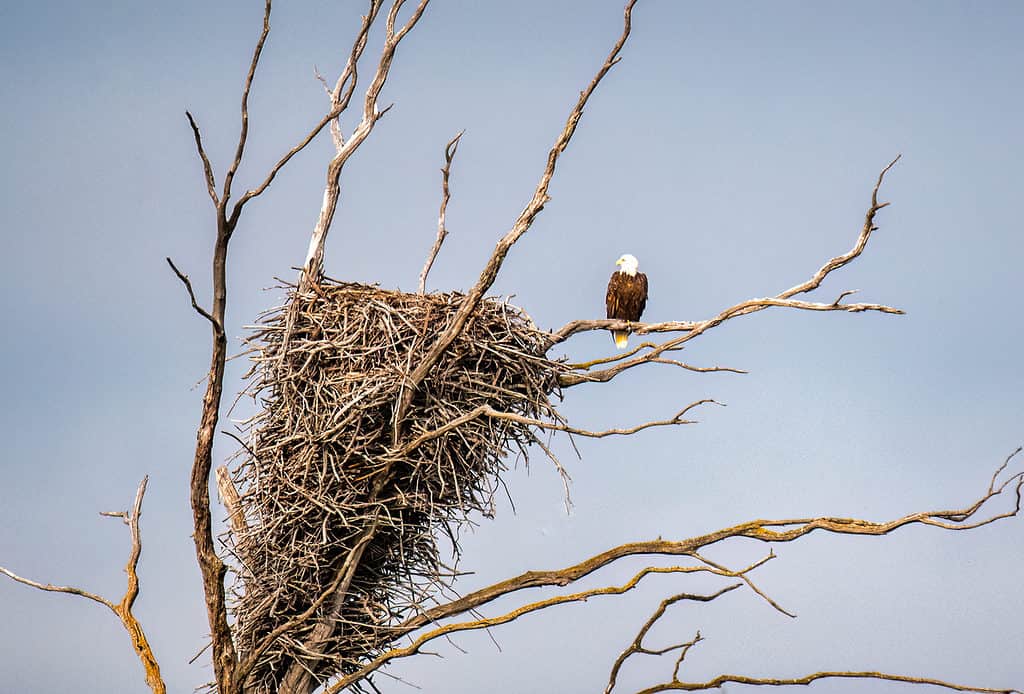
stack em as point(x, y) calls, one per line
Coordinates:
point(626, 297)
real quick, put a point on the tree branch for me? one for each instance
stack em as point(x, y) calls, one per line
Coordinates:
point(243, 132)
point(771, 531)
point(71, 590)
point(211, 185)
point(337, 107)
point(520, 227)
point(488, 622)
point(313, 265)
point(488, 411)
point(192, 295)
point(442, 231)
point(692, 330)
point(717, 682)
point(123, 609)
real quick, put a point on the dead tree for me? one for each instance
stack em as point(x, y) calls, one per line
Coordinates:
point(414, 441)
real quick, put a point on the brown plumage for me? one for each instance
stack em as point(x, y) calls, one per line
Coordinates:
point(626, 296)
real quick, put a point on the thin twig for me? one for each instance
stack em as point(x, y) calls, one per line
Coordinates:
point(442, 230)
point(211, 185)
point(192, 295)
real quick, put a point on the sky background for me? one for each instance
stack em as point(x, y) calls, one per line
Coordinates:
point(732, 151)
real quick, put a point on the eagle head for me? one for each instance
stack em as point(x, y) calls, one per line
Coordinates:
point(628, 264)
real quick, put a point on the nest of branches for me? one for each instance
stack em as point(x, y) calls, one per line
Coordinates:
point(343, 506)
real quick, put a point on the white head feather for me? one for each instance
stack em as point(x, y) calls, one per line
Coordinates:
point(628, 264)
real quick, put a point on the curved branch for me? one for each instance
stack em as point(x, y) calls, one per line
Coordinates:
point(192, 295)
point(717, 682)
point(771, 531)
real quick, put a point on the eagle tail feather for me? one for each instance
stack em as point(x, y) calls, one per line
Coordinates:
point(621, 338)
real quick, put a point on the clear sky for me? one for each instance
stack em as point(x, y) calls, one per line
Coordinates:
point(732, 151)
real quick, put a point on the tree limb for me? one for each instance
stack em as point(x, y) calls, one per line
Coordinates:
point(487, 622)
point(337, 107)
point(71, 590)
point(123, 609)
point(717, 682)
point(770, 531)
point(313, 265)
point(243, 132)
point(211, 186)
point(192, 295)
point(692, 330)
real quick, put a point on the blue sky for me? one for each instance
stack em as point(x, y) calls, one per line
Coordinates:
point(732, 151)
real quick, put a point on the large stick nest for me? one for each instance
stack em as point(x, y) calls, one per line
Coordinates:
point(325, 473)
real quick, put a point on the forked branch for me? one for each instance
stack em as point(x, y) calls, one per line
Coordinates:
point(313, 265)
point(122, 609)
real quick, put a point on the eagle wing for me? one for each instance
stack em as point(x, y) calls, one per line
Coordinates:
point(626, 297)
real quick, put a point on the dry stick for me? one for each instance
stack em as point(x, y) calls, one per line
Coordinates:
point(123, 609)
point(637, 645)
point(764, 530)
point(442, 231)
point(191, 294)
point(692, 330)
point(520, 227)
point(488, 411)
point(676, 684)
point(750, 583)
point(231, 500)
point(650, 327)
point(721, 680)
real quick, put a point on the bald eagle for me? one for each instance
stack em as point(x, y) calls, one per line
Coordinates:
point(626, 297)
